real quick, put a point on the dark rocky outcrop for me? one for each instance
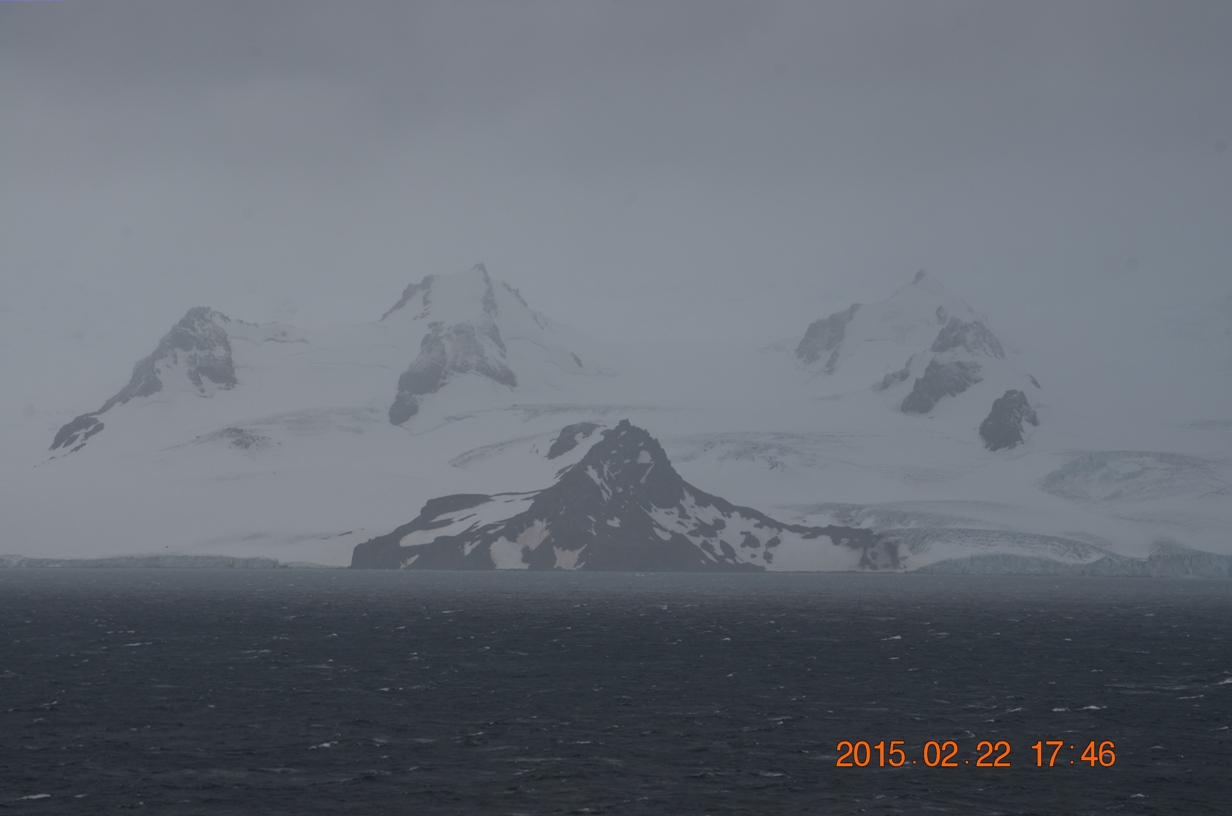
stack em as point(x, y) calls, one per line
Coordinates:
point(410, 293)
point(198, 343)
point(569, 437)
point(825, 337)
point(972, 336)
point(622, 507)
point(1004, 426)
point(893, 378)
point(940, 380)
point(205, 351)
point(74, 434)
point(472, 346)
point(384, 552)
point(444, 352)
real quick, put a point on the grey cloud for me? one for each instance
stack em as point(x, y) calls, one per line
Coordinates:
point(739, 169)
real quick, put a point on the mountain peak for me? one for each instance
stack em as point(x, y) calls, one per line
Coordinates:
point(462, 321)
point(626, 467)
point(451, 297)
point(622, 507)
point(196, 354)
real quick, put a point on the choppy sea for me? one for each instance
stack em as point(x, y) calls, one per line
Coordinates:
point(322, 691)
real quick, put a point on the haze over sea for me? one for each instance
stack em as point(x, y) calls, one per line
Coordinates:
point(319, 691)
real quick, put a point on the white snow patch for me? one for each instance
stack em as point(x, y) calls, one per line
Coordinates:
point(507, 555)
point(533, 535)
point(567, 559)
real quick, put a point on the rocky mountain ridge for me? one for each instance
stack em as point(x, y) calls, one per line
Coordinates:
point(621, 507)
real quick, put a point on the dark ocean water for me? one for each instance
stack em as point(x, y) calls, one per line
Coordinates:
point(219, 692)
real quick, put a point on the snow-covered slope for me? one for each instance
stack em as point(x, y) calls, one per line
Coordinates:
point(245, 440)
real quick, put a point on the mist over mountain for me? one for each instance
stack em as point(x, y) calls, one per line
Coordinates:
point(906, 426)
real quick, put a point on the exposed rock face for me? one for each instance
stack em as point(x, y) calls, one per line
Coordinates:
point(413, 290)
point(197, 346)
point(972, 336)
point(1004, 426)
point(940, 380)
point(569, 437)
point(74, 434)
point(622, 507)
point(199, 343)
point(893, 378)
point(825, 337)
point(464, 315)
point(444, 352)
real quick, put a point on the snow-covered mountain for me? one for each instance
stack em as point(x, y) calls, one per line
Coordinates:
point(909, 417)
point(451, 327)
point(194, 357)
point(928, 354)
point(621, 507)
point(462, 322)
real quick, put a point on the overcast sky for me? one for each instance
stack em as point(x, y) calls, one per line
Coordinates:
point(639, 169)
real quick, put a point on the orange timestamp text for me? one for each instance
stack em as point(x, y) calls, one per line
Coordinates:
point(987, 754)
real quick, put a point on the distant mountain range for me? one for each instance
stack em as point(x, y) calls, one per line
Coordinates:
point(458, 322)
point(898, 434)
